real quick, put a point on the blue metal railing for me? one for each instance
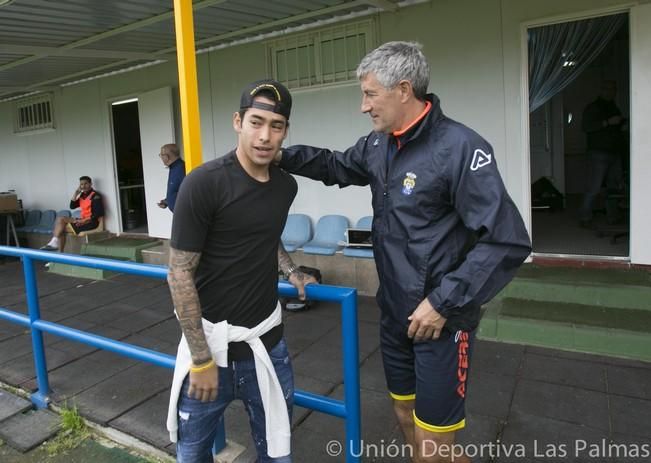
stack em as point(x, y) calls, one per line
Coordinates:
point(348, 409)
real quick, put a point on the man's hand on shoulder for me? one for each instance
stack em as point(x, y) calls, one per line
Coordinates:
point(426, 322)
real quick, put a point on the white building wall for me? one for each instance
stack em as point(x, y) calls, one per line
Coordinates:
point(640, 134)
point(475, 48)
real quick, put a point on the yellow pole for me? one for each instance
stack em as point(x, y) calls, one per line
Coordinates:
point(187, 64)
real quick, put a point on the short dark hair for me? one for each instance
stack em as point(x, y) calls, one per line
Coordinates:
point(86, 177)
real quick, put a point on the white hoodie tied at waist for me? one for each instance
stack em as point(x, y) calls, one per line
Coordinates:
point(218, 335)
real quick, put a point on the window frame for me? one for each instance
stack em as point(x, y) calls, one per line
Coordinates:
point(358, 32)
point(34, 114)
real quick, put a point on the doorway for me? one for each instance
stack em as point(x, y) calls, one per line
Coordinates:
point(563, 165)
point(129, 169)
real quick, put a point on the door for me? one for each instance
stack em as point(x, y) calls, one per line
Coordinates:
point(156, 129)
point(128, 162)
point(640, 133)
point(565, 219)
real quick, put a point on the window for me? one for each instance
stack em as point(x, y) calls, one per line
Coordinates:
point(33, 114)
point(322, 57)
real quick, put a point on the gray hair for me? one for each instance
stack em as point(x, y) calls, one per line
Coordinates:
point(171, 149)
point(396, 61)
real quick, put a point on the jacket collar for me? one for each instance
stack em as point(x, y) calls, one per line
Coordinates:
point(433, 116)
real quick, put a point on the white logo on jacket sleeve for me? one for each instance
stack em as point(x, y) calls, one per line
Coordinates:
point(480, 159)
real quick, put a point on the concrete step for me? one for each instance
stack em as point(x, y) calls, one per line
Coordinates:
point(610, 331)
point(117, 248)
point(613, 288)
point(82, 272)
point(602, 311)
point(157, 255)
point(120, 247)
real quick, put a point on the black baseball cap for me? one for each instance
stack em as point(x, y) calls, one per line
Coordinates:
point(281, 96)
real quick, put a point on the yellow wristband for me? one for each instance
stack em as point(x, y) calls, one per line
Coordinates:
point(200, 368)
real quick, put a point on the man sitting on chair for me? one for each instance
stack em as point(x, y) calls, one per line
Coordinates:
point(92, 210)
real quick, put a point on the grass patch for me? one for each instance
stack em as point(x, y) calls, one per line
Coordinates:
point(73, 432)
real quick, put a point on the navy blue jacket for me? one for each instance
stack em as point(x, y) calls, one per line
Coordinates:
point(174, 179)
point(444, 226)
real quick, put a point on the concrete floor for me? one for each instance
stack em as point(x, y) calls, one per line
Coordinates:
point(533, 402)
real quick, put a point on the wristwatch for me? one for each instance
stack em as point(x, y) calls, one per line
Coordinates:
point(291, 269)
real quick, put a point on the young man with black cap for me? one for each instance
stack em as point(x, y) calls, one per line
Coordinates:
point(223, 273)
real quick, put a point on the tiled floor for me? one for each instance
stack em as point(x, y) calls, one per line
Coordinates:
point(521, 400)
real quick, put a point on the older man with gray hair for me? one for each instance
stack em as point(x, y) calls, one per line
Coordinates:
point(170, 155)
point(446, 236)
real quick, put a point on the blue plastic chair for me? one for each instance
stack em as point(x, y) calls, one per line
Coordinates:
point(297, 232)
point(63, 213)
point(330, 232)
point(365, 223)
point(46, 224)
point(32, 218)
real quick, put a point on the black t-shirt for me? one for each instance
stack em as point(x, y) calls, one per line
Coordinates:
point(600, 138)
point(235, 222)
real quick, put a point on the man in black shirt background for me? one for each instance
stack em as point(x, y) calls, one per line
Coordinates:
point(225, 253)
point(603, 123)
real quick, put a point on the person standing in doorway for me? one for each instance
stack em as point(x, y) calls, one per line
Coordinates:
point(603, 123)
point(171, 157)
point(446, 238)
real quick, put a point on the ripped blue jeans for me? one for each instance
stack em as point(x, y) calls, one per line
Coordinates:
point(198, 420)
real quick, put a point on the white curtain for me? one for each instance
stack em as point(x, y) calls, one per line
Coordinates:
point(560, 52)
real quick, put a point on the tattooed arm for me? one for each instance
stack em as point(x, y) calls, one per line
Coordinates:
point(182, 266)
point(292, 273)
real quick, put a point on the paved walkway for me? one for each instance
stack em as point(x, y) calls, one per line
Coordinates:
point(525, 403)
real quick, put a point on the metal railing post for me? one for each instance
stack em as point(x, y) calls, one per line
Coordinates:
point(40, 397)
point(349, 409)
point(351, 377)
point(220, 437)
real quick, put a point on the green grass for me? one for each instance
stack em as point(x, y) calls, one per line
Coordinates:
point(73, 432)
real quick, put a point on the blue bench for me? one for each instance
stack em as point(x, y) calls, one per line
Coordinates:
point(330, 232)
point(46, 224)
point(32, 218)
point(297, 232)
